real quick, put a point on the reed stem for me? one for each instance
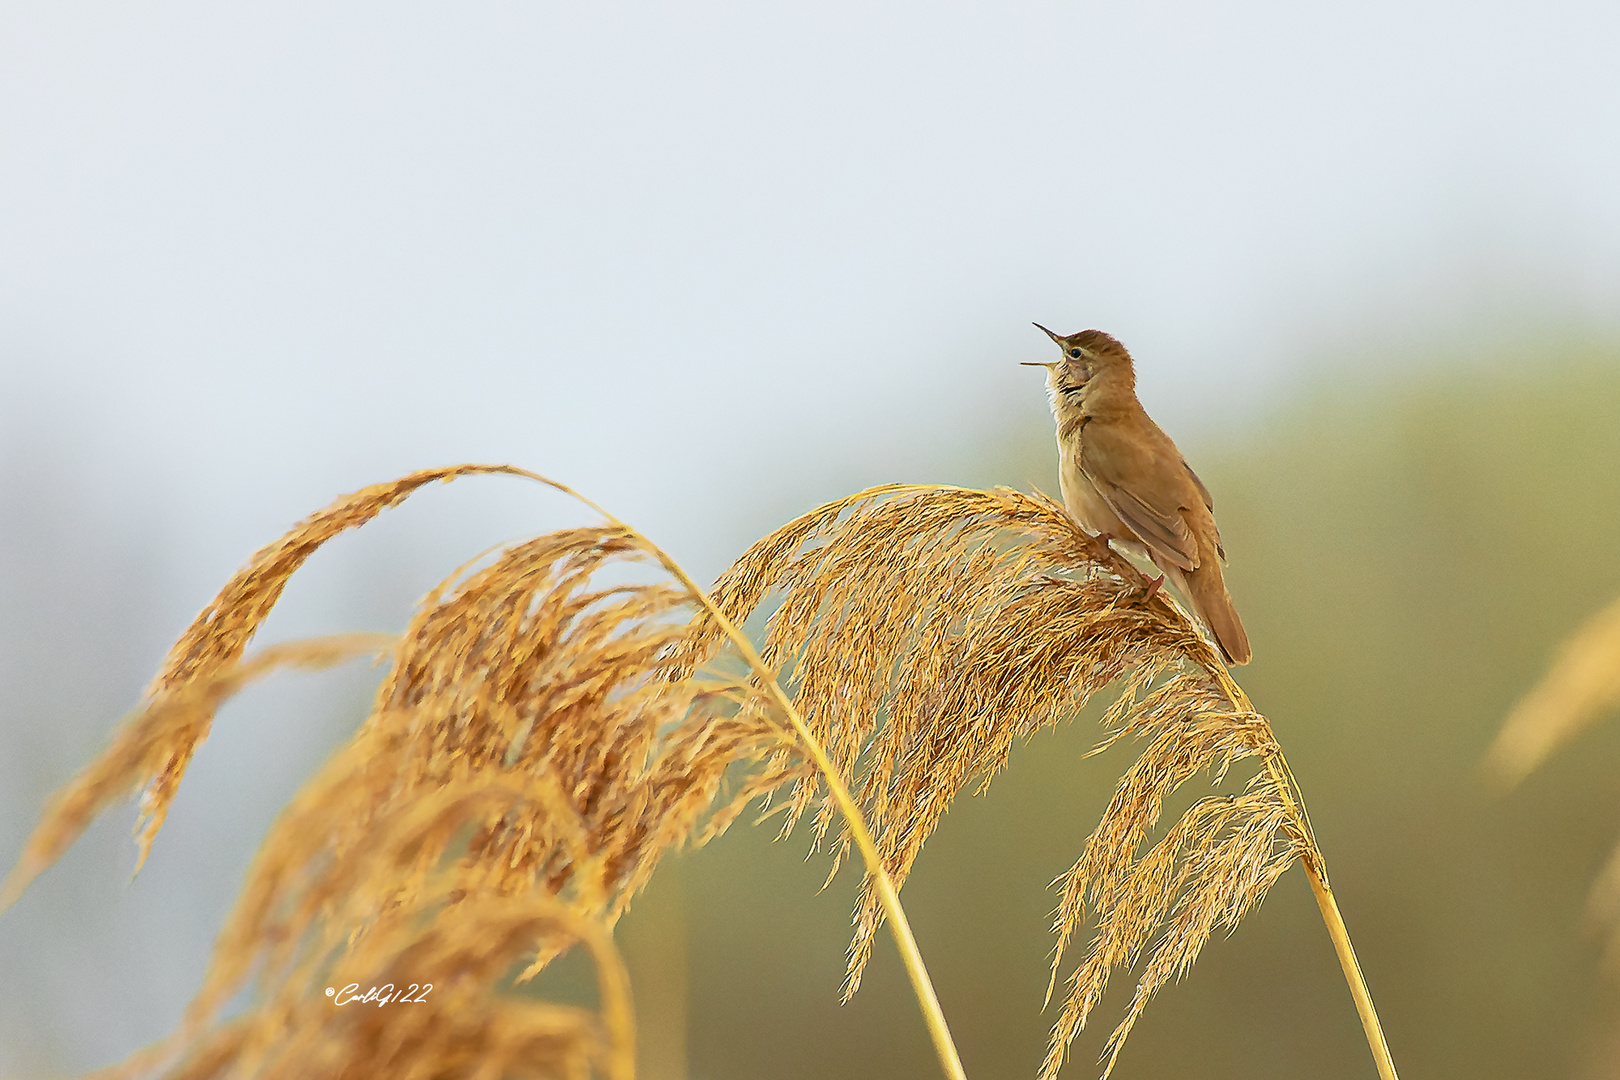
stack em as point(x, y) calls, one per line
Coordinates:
point(1352, 970)
point(1316, 871)
point(910, 955)
point(933, 1015)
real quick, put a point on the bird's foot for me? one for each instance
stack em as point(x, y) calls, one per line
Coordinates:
point(1152, 589)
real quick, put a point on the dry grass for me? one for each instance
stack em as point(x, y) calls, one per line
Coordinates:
point(458, 1026)
point(927, 629)
point(542, 740)
point(146, 744)
point(521, 773)
point(1582, 685)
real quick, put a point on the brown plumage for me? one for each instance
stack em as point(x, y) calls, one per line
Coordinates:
point(1123, 479)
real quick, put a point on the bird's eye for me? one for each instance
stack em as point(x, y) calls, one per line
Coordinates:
point(1075, 353)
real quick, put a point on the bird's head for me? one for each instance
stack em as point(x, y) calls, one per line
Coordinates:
point(1086, 356)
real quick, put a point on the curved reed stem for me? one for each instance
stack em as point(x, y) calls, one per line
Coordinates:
point(911, 956)
point(1316, 871)
point(1352, 970)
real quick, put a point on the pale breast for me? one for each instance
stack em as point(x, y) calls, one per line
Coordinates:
point(1081, 498)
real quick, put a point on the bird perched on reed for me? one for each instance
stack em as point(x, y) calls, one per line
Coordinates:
point(1124, 480)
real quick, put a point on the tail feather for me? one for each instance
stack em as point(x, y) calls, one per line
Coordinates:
point(1207, 590)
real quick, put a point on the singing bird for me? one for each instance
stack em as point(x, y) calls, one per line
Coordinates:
point(1124, 480)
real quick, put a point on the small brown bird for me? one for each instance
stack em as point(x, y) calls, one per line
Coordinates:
point(1124, 480)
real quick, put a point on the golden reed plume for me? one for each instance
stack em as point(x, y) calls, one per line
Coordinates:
point(541, 741)
point(925, 629)
point(521, 773)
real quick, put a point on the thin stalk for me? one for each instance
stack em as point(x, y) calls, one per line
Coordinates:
point(1316, 871)
point(1352, 970)
point(899, 925)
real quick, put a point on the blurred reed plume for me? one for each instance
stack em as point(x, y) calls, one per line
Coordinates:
point(925, 629)
point(1582, 685)
point(542, 739)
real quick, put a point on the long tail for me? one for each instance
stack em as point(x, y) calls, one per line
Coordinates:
point(1207, 588)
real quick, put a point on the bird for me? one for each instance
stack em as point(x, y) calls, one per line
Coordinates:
point(1124, 480)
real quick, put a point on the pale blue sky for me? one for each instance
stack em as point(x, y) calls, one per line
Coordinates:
point(333, 241)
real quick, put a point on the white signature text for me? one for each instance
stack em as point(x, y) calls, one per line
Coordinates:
point(379, 995)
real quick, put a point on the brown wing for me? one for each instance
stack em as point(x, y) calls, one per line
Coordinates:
point(1209, 504)
point(1146, 490)
point(1209, 500)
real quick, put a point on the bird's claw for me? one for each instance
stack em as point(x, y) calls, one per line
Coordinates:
point(1152, 589)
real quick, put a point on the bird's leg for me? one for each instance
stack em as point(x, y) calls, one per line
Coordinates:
point(1125, 567)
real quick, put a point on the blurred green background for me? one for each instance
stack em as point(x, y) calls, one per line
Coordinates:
point(1406, 549)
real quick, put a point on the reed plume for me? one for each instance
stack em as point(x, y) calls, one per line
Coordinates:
point(298, 1030)
point(523, 769)
point(1581, 686)
point(927, 629)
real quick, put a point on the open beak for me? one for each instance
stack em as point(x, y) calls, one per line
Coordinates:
point(1054, 337)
